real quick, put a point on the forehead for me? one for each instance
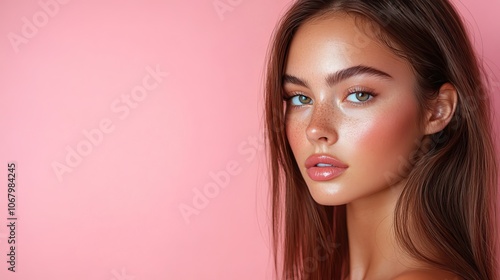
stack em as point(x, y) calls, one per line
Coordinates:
point(331, 42)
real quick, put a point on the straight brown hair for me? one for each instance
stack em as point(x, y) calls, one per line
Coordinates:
point(446, 214)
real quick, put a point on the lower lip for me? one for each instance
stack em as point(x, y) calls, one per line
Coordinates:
point(324, 173)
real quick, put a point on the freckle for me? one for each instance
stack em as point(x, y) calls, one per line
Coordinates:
point(324, 116)
point(297, 131)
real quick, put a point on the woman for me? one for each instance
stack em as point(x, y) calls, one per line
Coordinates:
point(381, 154)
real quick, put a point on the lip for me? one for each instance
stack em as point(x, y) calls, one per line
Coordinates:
point(326, 173)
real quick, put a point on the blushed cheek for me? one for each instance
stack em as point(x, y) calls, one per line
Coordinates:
point(386, 141)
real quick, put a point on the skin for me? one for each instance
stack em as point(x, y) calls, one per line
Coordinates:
point(373, 135)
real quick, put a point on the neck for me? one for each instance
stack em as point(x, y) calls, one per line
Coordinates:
point(373, 252)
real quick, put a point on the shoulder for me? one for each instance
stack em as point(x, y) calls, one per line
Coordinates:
point(427, 274)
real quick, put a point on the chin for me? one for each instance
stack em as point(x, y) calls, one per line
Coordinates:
point(328, 198)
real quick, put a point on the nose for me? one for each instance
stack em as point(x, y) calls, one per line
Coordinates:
point(322, 127)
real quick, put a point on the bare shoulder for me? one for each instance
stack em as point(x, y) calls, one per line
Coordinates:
point(427, 274)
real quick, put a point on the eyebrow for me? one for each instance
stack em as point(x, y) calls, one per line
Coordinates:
point(339, 76)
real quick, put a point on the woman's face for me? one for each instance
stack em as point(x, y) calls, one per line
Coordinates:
point(352, 118)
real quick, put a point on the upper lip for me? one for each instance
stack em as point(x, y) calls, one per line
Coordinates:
point(313, 160)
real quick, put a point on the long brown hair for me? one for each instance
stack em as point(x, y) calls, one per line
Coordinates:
point(446, 214)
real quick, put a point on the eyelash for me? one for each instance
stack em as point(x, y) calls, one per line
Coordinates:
point(288, 98)
point(351, 91)
point(362, 90)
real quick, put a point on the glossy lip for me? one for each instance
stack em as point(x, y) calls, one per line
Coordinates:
point(326, 173)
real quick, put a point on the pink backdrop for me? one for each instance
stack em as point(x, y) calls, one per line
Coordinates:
point(136, 130)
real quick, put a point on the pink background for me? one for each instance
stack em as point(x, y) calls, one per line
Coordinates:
point(115, 213)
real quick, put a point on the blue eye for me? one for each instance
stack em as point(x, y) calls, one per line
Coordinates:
point(299, 100)
point(359, 97)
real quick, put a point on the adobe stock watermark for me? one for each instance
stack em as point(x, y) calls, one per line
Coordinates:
point(423, 146)
point(122, 275)
point(121, 107)
point(31, 26)
point(220, 179)
point(222, 7)
point(483, 93)
point(311, 263)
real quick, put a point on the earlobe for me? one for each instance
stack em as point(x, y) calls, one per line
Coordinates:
point(442, 109)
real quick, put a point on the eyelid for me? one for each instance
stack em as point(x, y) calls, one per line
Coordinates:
point(289, 95)
point(289, 99)
point(355, 89)
point(360, 89)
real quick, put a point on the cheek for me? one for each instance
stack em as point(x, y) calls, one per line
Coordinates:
point(383, 141)
point(296, 133)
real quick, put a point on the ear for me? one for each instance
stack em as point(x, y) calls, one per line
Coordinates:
point(441, 109)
